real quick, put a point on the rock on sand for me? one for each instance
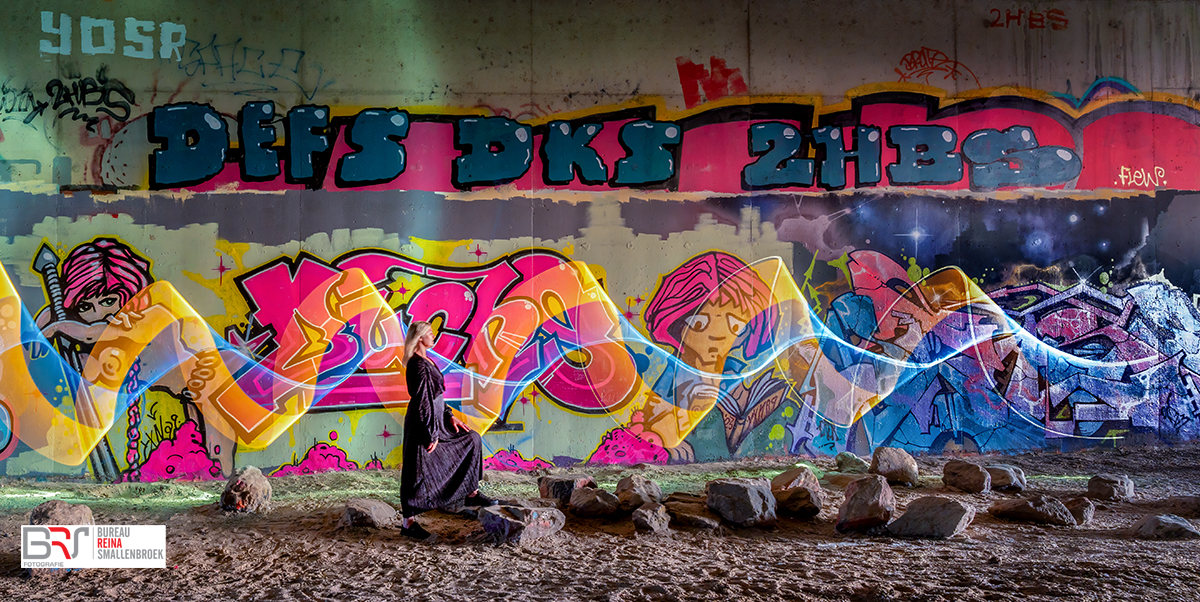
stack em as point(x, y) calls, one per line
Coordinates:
point(743, 502)
point(896, 465)
point(869, 503)
point(248, 490)
point(933, 517)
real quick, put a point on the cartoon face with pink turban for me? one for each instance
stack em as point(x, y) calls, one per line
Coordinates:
point(708, 306)
point(706, 310)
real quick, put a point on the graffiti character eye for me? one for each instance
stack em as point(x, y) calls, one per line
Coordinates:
point(735, 324)
point(84, 307)
point(108, 301)
point(697, 322)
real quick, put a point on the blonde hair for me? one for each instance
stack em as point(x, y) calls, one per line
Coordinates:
point(416, 331)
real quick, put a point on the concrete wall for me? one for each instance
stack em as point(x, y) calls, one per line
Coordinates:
point(684, 231)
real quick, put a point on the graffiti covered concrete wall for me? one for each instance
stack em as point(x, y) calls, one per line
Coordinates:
point(669, 233)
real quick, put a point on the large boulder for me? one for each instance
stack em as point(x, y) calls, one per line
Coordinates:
point(520, 525)
point(691, 511)
point(1006, 477)
point(966, 476)
point(1082, 509)
point(1115, 488)
point(248, 490)
point(894, 464)
point(869, 503)
point(561, 486)
point(1164, 526)
point(797, 492)
point(635, 491)
point(652, 517)
point(933, 517)
point(1037, 509)
point(373, 514)
point(743, 502)
point(587, 502)
point(850, 463)
point(58, 512)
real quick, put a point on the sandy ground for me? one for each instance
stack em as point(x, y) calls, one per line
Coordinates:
point(294, 552)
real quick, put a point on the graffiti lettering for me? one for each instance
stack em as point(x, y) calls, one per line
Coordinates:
point(463, 303)
point(1013, 158)
point(963, 369)
point(926, 155)
point(137, 33)
point(255, 131)
point(832, 147)
point(780, 163)
point(648, 161)
point(920, 65)
point(307, 142)
point(87, 99)
point(496, 150)
point(374, 147)
point(379, 157)
point(1033, 19)
point(77, 97)
point(248, 71)
point(19, 103)
point(567, 153)
point(195, 141)
point(1155, 177)
point(718, 82)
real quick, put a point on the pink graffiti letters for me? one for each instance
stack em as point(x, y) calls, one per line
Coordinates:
point(460, 301)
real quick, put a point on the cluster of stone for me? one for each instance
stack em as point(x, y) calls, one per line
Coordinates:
point(869, 502)
point(868, 505)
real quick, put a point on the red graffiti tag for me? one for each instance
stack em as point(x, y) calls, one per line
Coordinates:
point(919, 65)
point(717, 82)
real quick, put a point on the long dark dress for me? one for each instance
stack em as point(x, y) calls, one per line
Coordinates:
point(452, 472)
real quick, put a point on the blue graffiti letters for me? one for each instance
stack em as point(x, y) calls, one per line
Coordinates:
point(648, 161)
point(195, 141)
point(496, 150)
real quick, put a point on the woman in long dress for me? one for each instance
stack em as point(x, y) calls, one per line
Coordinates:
point(443, 458)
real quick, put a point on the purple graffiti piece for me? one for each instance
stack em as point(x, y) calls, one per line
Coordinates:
point(321, 457)
point(620, 446)
point(512, 461)
point(182, 457)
